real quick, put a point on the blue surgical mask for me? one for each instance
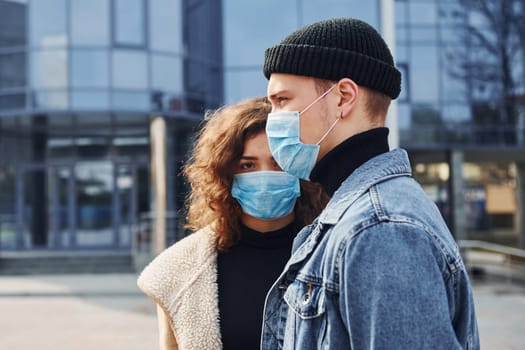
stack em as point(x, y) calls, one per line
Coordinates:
point(284, 139)
point(266, 194)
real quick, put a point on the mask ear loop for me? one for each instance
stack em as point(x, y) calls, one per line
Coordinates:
point(317, 99)
point(330, 129)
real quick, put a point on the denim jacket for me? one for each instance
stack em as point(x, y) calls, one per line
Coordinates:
point(378, 269)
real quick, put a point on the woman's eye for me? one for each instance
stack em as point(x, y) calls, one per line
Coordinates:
point(245, 166)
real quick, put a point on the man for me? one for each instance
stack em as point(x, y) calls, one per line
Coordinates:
point(378, 269)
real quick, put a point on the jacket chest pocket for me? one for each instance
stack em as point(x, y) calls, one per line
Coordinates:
point(306, 322)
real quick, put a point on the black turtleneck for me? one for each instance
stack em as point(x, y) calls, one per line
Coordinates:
point(331, 170)
point(245, 274)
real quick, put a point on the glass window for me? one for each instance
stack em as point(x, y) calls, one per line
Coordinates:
point(452, 81)
point(456, 112)
point(423, 12)
point(313, 11)
point(49, 69)
point(50, 100)
point(129, 70)
point(424, 35)
point(400, 12)
point(13, 70)
point(90, 22)
point(130, 101)
point(90, 99)
point(403, 116)
point(165, 20)
point(247, 32)
point(129, 22)
point(401, 34)
point(89, 68)
point(48, 23)
point(167, 73)
point(13, 23)
point(242, 84)
point(423, 75)
point(12, 101)
point(451, 13)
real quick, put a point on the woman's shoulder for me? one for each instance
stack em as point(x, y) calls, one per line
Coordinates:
point(177, 264)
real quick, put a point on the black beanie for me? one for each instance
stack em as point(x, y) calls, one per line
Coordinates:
point(336, 49)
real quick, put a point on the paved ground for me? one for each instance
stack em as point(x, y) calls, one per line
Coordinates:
point(100, 312)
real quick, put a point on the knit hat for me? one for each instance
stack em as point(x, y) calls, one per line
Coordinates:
point(335, 49)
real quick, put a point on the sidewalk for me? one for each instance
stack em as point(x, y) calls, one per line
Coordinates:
point(101, 312)
point(77, 312)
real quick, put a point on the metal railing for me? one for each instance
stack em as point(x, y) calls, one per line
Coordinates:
point(499, 261)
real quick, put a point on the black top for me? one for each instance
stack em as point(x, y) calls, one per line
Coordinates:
point(245, 274)
point(340, 162)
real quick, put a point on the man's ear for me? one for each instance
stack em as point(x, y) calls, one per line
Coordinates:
point(348, 94)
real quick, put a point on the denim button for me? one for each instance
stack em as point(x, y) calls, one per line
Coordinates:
point(306, 298)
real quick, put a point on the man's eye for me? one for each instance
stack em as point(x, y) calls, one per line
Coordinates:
point(281, 100)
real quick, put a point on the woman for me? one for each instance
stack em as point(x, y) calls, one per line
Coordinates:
point(210, 286)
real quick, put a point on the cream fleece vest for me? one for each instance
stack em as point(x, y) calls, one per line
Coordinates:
point(182, 280)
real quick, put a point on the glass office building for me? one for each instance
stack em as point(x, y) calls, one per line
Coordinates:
point(80, 81)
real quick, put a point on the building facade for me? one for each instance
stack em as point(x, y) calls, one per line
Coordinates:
point(79, 83)
point(81, 80)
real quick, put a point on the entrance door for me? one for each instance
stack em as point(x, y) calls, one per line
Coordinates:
point(131, 199)
point(43, 209)
point(87, 205)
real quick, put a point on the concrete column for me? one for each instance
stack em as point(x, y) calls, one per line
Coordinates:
point(520, 194)
point(158, 181)
point(457, 199)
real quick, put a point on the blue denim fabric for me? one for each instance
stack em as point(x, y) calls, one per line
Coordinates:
point(378, 269)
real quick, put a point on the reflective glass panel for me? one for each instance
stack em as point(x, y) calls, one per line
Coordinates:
point(89, 68)
point(7, 206)
point(89, 99)
point(12, 101)
point(12, 70)
point(456, 112)
point(50, 100)
point(129, 22)
point(423, 74)
point(12, 23)
point(423, 12)
point(90, 22)
point(129, 69)
point(314, 10)
point(49, 69)
point(131, 101)
point(242, 84)
point(48, 23)
point(167, 73)
point(248, 32)
point(94, 184)
point(165, 21)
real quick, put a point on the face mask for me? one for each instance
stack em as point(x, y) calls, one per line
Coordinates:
point(266, 194)
point(284, 139)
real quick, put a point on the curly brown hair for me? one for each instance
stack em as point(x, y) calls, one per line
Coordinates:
point(216, 153)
